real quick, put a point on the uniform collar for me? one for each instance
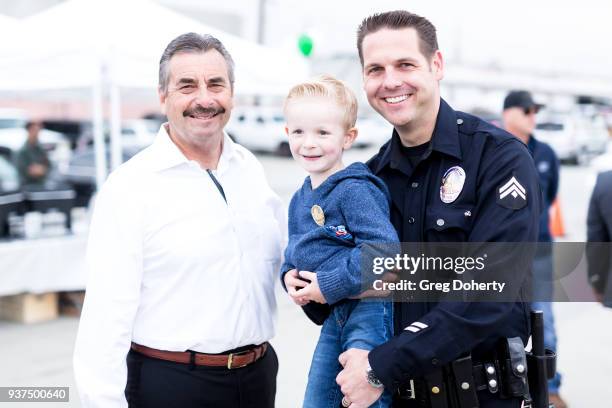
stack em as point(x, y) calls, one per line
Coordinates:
point(532, 143)
point(446, 133)
point(166, 154)
point(445, 138)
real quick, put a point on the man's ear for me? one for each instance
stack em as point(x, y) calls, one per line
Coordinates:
point(437, 65)
point(286, 130)
point(349, 138)
point(162, 99)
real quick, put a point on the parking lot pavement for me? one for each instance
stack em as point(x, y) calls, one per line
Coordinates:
point(40, 354)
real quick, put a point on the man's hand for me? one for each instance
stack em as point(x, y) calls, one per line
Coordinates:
point(353, 379)
point(293, 284)
point(311, 291)
point(37, 170)
point(389, 276)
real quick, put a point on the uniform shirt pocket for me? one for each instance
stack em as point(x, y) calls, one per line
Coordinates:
point(448, 224)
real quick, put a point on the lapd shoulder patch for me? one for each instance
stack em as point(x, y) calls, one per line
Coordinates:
point(511, 194)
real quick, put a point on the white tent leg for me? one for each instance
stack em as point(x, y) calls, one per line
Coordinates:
point(115, 123)
point(98, 133)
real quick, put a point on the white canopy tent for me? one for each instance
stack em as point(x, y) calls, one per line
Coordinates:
point(7, 24)
point(113, 44)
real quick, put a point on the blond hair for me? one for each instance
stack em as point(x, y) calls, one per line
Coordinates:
point(327, 86)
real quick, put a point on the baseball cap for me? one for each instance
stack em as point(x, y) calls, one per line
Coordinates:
point(521, 99)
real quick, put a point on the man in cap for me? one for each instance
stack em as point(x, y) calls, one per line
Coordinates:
point(519, 118)
point(184, 246)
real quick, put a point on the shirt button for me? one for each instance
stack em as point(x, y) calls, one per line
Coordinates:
point(459, 121)
point(415, 184)
point(411, 220)
point(440, 222)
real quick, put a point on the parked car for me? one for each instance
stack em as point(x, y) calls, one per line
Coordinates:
point(259, 130)
point(13, 136)
point(81, 173)
point(372, 130)
point(263, 130)
point(12, 118)
point(138, 133)
point(574, 136)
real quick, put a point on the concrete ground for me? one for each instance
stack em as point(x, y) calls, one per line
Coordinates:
point(40, 354)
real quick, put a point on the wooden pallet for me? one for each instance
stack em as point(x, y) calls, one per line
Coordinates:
point(29, 308)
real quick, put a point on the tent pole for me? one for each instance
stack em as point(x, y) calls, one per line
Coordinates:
point(115, 122)
point(98, 131)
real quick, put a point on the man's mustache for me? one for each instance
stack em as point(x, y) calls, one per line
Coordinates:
point(200, 110)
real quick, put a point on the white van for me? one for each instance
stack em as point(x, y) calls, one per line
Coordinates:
point(574, 136)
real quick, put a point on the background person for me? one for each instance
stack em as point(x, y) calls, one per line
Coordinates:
point(183, 250)
point(32, 160)
point(599, 235)
point(519, 118)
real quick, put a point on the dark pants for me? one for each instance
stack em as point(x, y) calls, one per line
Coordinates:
point(154, 383)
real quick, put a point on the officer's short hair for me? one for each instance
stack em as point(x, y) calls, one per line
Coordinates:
point(192, 42)
point(397, 20)
point(327, 86)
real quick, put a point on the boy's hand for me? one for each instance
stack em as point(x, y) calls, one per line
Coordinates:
point(311, 291)
point(293, 283)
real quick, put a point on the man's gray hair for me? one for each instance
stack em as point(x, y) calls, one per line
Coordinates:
point(192, 42)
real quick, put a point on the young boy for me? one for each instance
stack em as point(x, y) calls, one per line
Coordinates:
point(332, 218)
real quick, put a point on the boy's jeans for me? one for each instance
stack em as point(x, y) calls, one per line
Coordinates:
point(351, 324)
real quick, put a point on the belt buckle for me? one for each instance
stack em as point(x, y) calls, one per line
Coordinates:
point(411, 391)
point(230, 358)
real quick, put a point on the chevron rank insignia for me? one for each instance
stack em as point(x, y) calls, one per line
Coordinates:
point(512, 194)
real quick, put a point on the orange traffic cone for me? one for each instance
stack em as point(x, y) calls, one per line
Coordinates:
point(555, 218)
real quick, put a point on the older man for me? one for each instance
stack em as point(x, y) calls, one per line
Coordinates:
point(184, 244)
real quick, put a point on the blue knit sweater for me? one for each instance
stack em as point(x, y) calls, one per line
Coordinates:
point(352, 198)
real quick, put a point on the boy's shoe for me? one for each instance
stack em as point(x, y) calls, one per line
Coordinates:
point(557, 401)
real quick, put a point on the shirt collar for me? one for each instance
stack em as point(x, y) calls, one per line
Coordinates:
point(166, 154)
point(446, 133)
point(445, 138)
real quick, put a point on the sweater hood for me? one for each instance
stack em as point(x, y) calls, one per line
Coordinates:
point(354, 172)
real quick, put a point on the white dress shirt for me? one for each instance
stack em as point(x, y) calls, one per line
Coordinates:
point(172, 266)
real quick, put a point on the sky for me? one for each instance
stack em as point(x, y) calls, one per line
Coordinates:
point(548, 36)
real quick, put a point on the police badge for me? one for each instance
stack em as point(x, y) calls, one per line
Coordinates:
point(452, 184)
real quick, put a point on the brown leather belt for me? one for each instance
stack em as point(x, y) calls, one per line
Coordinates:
point(231, 360)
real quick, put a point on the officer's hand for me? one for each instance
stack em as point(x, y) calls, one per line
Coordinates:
point(311, 291)
point(389, 276)
point(353, 381)
point(293, 283)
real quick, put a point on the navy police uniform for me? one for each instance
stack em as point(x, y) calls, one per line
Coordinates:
point(547, 164)
point(429, 336)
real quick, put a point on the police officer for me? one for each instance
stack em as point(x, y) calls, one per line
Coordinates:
point(519, 117)
point(496, 199)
